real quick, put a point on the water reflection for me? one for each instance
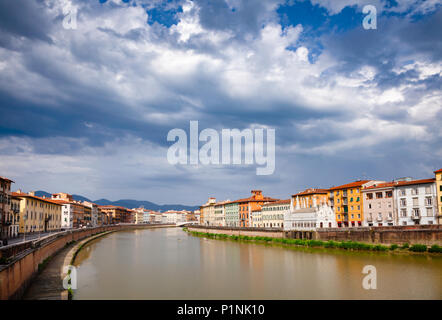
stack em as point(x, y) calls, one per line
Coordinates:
point(169, 264)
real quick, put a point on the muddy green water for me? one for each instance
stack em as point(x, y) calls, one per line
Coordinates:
point(170, 264)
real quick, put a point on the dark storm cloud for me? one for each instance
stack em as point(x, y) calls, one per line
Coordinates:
point(23, 18)
point(244, 19)
point(393, 39)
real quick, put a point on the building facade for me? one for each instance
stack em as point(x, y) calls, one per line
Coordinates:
point(257, 218)
point(438, 178)
point(273, 213)
point(5, 202)
point(379, 205)
point(219, 214)
point(38, 214)
point(232, 214)
point(14, 218)
point(207, 212)
point(416, 202)
point(247, 205)
point(305, 216)
point(347, 202)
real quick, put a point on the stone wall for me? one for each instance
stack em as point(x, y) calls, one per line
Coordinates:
point(25, 258)
point(422, 234)
point(428, 234)
point(232, 231)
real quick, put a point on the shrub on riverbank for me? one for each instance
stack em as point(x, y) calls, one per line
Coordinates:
point(435, 249)
point(347, 245)
point(418, 248)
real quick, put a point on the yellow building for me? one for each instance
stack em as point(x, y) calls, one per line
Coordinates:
point(347, 202)
point(38, 214)
point(309, 197)
point(438, 174)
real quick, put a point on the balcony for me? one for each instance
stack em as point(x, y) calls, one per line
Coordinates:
point(369, 219)
point(415, 217)
point(379, 219)
point(389, 218)
point(344, 194)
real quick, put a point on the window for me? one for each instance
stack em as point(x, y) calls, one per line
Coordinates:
point(389, 194)
point(403, 213)
point(428, 201)
point(369, 206)
point(429, 212)
point(414, 191)
point(369, 196)
point(427, 189)
point(415, 202)
point(378, 195)
point(416, 212)
point(402, 192)
point(403, 202)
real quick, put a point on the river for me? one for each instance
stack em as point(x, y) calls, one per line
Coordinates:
point(170, 264)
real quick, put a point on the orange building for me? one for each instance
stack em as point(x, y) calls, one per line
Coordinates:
point(308, 197)
point(247, 205)
point(347, 202)
point(117, 214)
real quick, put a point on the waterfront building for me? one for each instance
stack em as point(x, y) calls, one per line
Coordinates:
point(93, 215)
point(38, 214)
point(197, 214)
point(273, 213)
point(416, 201)
point(207, 212)
point(246, 206)
point(438, 178)
point(379, 205)
point(305, 216)
point(231, 210)
point(219, 214)
point(307, 198)
point(173, 217)
point(116, 214)
point(13, 220)
point(257, 218)
point(5, 201)
point(75, 214)
point(347, 202)
point(139, 214)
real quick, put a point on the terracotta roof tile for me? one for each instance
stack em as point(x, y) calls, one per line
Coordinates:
point(350, 185)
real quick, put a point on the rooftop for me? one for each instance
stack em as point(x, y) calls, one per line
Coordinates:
point(354, 184)
point(310, 191)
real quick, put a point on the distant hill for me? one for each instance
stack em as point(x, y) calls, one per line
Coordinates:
point(126, 203)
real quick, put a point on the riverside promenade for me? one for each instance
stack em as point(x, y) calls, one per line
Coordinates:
point(41, 262)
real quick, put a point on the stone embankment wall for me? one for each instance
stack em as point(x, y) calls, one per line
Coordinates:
point(24, 258)
point(232, 231)
point(421, 234)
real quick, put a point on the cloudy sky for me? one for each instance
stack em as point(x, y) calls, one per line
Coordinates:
point(87, 110)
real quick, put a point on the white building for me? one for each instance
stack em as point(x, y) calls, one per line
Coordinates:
point(173, 217)
point(416, 202)
point(257, 218)
point(67, 216)
point(219, 214)
point(94, 212)
point(304, 217)
point(272, 213)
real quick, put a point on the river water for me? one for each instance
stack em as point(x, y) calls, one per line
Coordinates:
point(170, 264)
